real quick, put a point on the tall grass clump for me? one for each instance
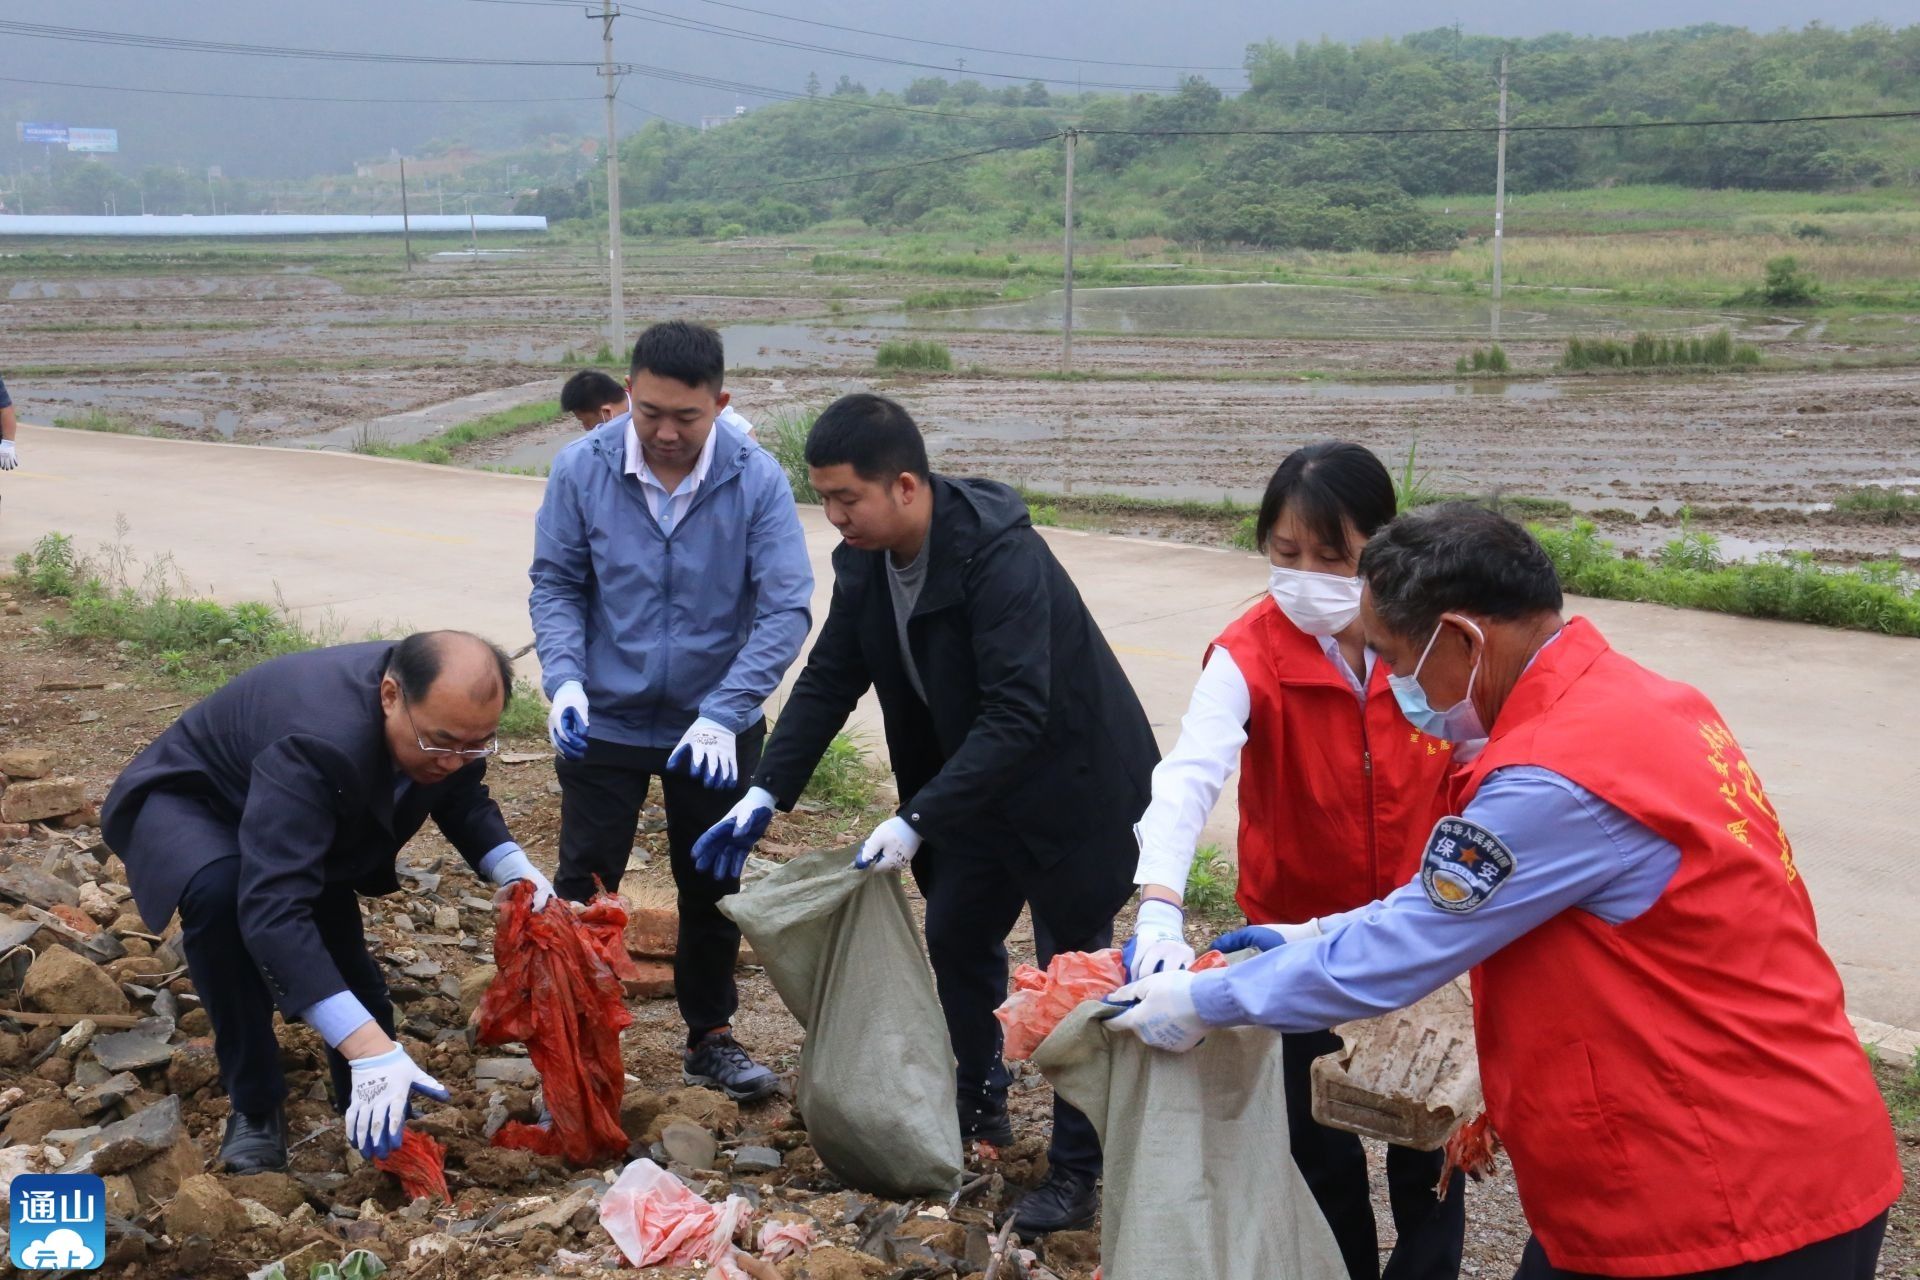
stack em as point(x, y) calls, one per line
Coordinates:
point(1211, 884)
point(1874, 503)
point(1871, 597)
point(1491, 359)
point(96, 420)
point(915, 354)
point(784, 435)
point(440, 448)
point(1646, 351)
point(844, 782)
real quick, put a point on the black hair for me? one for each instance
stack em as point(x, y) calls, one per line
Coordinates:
point(681, 350)
point(870, 433)
point(416, 663)
point(588, 390)
point(1325, 485)
point(1456, 556)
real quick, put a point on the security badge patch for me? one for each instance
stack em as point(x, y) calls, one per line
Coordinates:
point(1464, 864)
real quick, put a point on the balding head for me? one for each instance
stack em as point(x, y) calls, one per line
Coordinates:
point(443, 693)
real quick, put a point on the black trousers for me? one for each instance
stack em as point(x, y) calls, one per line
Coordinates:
point(1852, 1255)
point(1432, 1232)
point(235, 996)
point(972, 905)
point(600, 801)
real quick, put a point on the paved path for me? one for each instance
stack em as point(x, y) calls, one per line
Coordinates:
point(1828, 717)
point(418, 424)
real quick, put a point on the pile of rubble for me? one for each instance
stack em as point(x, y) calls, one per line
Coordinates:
point(29, 792)
point(107, 1067)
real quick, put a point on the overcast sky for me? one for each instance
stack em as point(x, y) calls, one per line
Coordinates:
point(291, 138)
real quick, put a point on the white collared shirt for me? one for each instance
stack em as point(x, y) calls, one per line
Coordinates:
point(667, 508)
point(1188, 782)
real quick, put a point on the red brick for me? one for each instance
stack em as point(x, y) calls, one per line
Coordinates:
point(655, 982)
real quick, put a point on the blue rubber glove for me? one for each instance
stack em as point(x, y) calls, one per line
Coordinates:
point(722, 849)
point(1264, 937)
point(567, 720)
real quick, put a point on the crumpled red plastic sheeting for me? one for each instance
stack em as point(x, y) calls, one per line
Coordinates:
point(604, 921)
point(556, 993)
point(780, 1240)
point(420, 1162)
point(1041, 1001)
point(1472, 1149)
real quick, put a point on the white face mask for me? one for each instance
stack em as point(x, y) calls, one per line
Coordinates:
point(1320, 604)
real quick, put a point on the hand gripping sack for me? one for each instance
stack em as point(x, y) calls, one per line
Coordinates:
point(876, 1073)
point(1200, 1179)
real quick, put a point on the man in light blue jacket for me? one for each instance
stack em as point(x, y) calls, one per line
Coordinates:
point(671, 592)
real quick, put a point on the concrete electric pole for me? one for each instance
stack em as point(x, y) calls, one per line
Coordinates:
point(617, 320)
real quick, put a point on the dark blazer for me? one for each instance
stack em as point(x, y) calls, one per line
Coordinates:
point(1032, 743)
point(293, 756)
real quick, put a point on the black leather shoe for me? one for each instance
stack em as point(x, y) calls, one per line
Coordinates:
point(255, 1144)
point(1066, 1201)
point(985, 1121)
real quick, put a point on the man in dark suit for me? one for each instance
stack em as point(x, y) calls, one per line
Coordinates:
point(265, 810)
point(1019, 747)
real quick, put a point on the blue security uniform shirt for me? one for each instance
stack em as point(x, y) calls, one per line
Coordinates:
point(6, 401)
point(1571, 851)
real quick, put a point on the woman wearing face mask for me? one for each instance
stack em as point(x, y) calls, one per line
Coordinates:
point(1337, 794)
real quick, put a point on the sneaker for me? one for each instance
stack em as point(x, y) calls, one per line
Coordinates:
point(1065, 1201)
point(255, 1144)
point(718, 1062)
point(985, 1120)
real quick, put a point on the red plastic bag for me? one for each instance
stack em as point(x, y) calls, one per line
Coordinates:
point(557, 993)
point(420, 1163)
point(1041, 1001)
point(604, 921)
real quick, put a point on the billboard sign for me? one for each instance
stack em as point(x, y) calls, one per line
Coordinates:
point(100, 140)
point(53, 134)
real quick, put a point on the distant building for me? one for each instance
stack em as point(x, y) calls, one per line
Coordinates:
point(714, 122)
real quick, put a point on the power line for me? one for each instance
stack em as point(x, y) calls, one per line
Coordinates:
point(1021, 145)
point(733, 33)
point(275, 97)
point(945, 44)
point(43, 31)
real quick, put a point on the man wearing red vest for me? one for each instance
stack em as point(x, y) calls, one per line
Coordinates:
point(1663, 1042)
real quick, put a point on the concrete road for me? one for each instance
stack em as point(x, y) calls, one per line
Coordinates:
point(1827, 716)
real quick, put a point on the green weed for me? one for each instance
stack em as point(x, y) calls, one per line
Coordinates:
point(96, 420)
point(1211, 884)
point(784, 435)
point(1491, 359)
point(1413, 488)
point(1646, 351)
point(1788, 586)
point(1889, 505)
point(526, 713)
point(844, 782)
point(440, 448)
point(914, 354)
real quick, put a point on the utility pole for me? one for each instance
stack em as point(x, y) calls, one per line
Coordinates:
point(1500, 199)
point(618, 319)
point(1066, 323)
point(406, 215)
point(473, 231)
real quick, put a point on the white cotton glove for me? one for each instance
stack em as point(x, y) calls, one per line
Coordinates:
point(567, 720)
point(9, 455)
point(890, 848)
point(706, 751)
point(1158, 944)
point(517, 866)
point(1160, 1011)
point(383, 1085)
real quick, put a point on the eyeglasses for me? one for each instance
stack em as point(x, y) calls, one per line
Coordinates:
point(476, 753)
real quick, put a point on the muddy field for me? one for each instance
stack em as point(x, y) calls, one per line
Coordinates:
point(290, 348)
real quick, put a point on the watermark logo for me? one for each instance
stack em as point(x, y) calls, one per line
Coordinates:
point(59, 1222)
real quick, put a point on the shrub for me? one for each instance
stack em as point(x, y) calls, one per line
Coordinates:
point(784, 435)
point(1787, 285)
point(1211, 884)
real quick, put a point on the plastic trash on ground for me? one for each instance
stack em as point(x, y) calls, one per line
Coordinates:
point(1041, 1001)
point(556, 993)
point(780, 1240)
point(420, 1163)
point(876, 1072)
point(657, 1220)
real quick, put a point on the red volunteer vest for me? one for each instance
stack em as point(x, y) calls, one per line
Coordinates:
point(1682, 1092)
point(1336, 799)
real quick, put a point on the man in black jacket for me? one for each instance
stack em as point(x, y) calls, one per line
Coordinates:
point(1018, 745)
point(264, 811)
